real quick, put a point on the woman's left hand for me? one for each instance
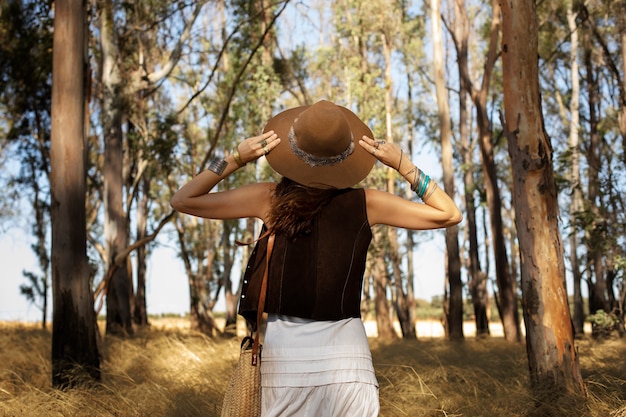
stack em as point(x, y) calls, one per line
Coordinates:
point(389, 154)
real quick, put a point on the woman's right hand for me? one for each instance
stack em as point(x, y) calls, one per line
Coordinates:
point(255, 147)
point(389, 154)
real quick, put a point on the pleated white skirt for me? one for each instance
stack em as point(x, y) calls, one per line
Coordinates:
point(317, 369)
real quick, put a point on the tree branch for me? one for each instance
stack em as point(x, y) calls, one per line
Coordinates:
point(169, 66)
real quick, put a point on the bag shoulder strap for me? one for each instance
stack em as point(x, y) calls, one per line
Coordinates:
point(261, 306)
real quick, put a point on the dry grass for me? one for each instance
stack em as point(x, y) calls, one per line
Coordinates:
point(170, 371)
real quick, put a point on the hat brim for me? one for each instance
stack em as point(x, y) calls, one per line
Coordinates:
point(349, 172)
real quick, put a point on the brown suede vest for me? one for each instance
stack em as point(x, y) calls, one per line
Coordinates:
point(318, 276)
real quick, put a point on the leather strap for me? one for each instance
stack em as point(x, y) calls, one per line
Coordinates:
point(261, 306)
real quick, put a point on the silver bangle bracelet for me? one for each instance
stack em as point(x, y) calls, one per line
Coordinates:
point(217, 166)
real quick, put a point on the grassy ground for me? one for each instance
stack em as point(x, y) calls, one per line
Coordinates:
point(170, 372)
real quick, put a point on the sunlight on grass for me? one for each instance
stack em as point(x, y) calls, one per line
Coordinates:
point(167, 370)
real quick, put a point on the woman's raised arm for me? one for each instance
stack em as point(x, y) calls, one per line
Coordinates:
point(248, 201)
point(438, 209)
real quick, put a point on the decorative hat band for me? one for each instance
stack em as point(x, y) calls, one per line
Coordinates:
point(314, 160)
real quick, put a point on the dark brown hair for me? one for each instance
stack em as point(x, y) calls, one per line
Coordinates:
point(294, 206)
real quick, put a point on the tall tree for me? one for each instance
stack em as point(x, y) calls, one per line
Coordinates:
point(454, 304)
point(575, 184)
point(507, 285)
point(411, 46)
point(74, 330)
point(477, 278)
point(602, 53)
point(593, 223)
point(122, 77)
point(198, 239)
point(576, 101)
point(552, 356)
point(507, 294)
point(119, 284)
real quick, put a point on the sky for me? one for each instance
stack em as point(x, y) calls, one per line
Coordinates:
point(167, 290)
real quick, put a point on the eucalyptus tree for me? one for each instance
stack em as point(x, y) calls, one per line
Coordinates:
point(131, 65)
point(454, 299)
point(152, 138)
point(559, 50)
point(552, 355)
point(478, 88)
point(198, 250)
point(75, 334)
point(576, 199)
point(254, 91)
point(602, 31)
point(579, 52)
point(460, 29)
point(411, 50)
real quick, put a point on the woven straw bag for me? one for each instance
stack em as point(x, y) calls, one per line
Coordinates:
point(243, 395)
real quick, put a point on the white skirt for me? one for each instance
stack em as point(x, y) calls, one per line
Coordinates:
point(317, 369)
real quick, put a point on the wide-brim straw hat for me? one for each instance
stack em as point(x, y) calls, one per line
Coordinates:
point(319, 146)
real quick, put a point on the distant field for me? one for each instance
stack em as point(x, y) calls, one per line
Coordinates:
point(168, 371)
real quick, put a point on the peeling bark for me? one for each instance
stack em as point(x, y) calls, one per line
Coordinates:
point(552, 357)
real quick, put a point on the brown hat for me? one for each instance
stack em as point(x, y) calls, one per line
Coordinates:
point(318, 146)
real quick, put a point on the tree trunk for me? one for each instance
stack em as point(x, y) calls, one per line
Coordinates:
point(552, 356)
point(117, 87)
point(74, 329)
point(200, 315)
point(576, 189)
point(40, 284)
point(200, 302)
point(232, 298)
point(596, 280)
point(507, 296)
point(119, 289)
point(477, 279)
point(228, 256)
point(380, 277)
point(140, 310)
point(410, 241)
point(400, 300)
point(454, 311)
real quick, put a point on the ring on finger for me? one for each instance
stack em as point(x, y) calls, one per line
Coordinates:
point(263, 144)
point(265, 149)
